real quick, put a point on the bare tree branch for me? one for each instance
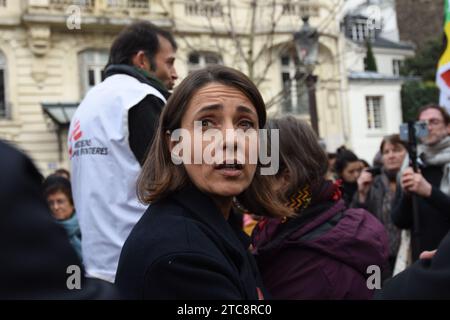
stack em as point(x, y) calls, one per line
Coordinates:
point(215, 34)
point(245, 41)
point(233, 32)
point(268, 48)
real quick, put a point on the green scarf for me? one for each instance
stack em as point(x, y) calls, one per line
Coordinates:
point(149, 76)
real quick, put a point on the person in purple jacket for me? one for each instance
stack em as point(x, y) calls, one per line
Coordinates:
point(324, 251)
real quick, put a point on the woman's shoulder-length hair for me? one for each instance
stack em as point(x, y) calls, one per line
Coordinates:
point(300, 153)
point(160, 177)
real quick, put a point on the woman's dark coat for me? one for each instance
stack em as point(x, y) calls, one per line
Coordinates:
point(183, 248)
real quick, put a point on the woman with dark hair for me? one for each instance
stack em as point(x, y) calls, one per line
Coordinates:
point(377, 193)
point(323, 252)
point(348, 169)
point(58, 193)
point(331, 175)
point(188, 244)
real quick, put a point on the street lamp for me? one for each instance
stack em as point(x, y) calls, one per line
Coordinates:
point(306, 42)
point(61, 114)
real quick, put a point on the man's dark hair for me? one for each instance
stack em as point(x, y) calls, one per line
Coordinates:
point(444, 113)
point(136, 37)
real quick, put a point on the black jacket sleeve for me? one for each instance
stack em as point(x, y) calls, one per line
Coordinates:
point(401, 213)
point(425, 279)
point(440, 201)
point(35, 251)
point(190, 276)
point(142, 123)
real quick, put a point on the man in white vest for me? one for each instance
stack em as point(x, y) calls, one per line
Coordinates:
point(109, 136)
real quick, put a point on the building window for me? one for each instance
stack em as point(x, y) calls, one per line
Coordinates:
point(360, 32)
point(3, 105)
point(205, 8)
point(396, 66)
point(374, 113)
point(198, 60)
point(360, 28)
point(92, 65)
point(357, 29)
point(295, 97)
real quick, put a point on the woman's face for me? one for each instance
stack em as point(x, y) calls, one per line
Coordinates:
point(60, 205)
point(221, 107)
point(393, 156)
point(352, 171)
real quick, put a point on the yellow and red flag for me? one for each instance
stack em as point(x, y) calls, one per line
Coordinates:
point(443, 71)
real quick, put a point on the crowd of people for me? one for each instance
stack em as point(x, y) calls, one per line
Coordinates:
point(143, 226)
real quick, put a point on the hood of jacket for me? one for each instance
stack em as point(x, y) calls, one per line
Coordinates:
point(351, 236)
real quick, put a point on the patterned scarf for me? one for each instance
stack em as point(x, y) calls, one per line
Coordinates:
point(323, 191)
point(308, 202)
point(301, 199)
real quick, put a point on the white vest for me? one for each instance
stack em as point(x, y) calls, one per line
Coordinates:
point(105, 171)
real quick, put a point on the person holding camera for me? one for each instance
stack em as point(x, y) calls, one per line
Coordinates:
point(430, 185)
point(348, 168)
point(377, 188)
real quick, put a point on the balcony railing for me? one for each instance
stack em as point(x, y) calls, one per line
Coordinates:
point(128, 4)
point(300, 8)
point(96, 13)
point(95, 6)
point(205, 8)
point(63, 4)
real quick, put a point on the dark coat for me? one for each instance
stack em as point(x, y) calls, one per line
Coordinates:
point(323, 257)
point(348, 191)
point(35, 251)
point(425, 279)
point(379, 202)
point(434, 214)
point(183, 248)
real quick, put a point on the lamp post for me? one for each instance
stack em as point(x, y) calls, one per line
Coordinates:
point(306, 42)
point(61, 114)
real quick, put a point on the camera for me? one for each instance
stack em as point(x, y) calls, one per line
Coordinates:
point(420, 130)
point(411, 132)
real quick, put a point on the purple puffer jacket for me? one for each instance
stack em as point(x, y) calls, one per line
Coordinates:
point(324, 258)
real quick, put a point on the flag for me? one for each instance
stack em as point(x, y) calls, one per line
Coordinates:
point(443, 71)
